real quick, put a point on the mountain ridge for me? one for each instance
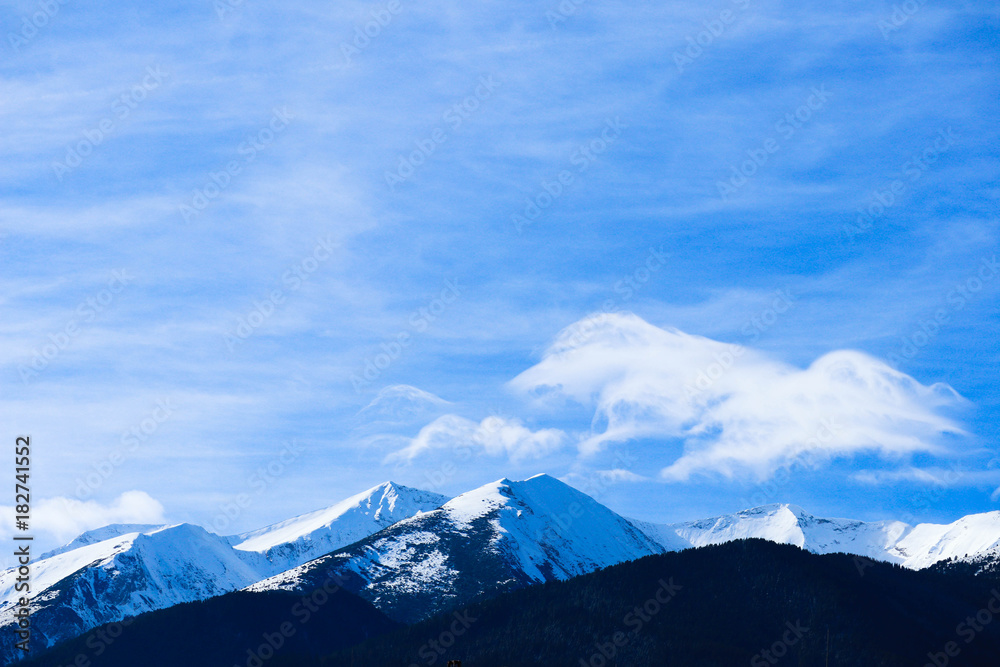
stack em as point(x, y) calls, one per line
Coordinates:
point(501, 536)
point(914, 547)
point(747, 601)
point(310, 535)
point(411, 553)
point(138, 568)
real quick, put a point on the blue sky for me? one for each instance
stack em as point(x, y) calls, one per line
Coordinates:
point(241, 235)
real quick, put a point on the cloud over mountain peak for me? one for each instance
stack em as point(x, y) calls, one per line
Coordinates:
point(735, 409)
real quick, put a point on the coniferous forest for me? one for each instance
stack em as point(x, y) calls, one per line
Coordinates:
point(746, 602)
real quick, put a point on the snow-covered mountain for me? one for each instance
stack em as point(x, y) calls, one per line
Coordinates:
point(973, 537)
point(915, 547)
point(412, 553)
point(787, 524)
point(122, 570)
point(501, 536)
point(298, 540)
point(122, 576)
point(104, 533)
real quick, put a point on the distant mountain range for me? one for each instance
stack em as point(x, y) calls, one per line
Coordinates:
point(914, 547)
point(747, 602)
point(121, 571)
point(412, 554)
point(499, 537)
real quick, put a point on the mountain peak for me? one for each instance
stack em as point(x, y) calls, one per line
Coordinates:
point(501, 535)
point(774, 508)
point(299, 539)
point(414, 551)
point(103, 533)
point(543, 515)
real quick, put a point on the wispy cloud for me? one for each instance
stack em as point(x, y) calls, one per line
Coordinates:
point(494, 436)
point(57, 520)
point(402, 404)
point(323, 177)
point(736, 410)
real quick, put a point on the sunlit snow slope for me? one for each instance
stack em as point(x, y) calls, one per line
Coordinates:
point(915, 547)
point(298, 540)
point(501, 536)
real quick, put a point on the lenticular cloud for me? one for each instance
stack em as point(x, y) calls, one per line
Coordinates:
point(736, 409)
point(494, 435)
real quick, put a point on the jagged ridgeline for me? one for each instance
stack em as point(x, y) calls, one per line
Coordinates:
point(748, 602)
point(412, 554)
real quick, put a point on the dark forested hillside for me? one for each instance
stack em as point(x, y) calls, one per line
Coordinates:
point(744, 603)
point(244, 629)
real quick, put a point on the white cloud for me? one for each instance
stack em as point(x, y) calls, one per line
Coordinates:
point(941, 477)
point(616, 475)
point(736, 410)
point(57, 520)
point(496, 436)
point(402, 403)
point(934, 476)
point(595, 483)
